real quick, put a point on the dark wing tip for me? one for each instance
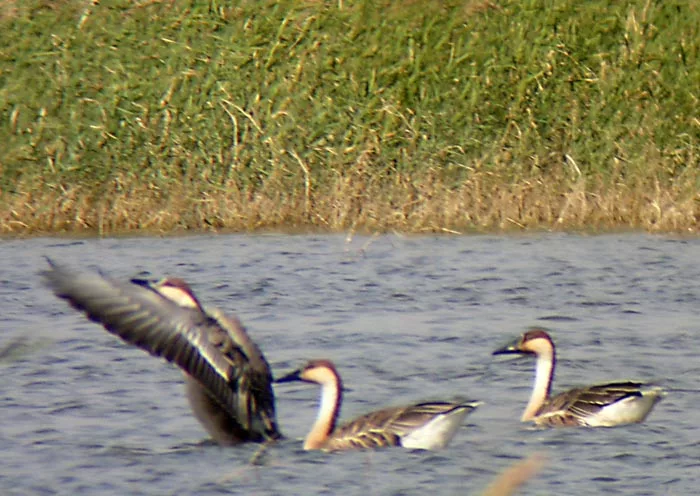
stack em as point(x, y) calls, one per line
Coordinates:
point(55, 276)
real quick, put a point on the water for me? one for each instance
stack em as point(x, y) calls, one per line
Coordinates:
point(404, 318)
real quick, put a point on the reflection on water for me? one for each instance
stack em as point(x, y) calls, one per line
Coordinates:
point(404, 318)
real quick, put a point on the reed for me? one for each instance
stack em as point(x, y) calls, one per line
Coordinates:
point(438, 116)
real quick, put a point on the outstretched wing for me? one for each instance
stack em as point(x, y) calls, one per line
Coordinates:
point(143, 318)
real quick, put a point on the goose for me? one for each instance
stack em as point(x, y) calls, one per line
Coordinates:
point(429, 426)
point(227, 379)
point(601, 405)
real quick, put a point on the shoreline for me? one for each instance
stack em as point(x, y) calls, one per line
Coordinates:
point(406, 204)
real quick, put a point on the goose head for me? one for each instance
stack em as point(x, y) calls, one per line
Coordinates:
point(535, 341)
point(315, 371)
point(173, 289)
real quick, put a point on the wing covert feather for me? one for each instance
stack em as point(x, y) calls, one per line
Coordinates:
point(386, 427)
point(143, 318)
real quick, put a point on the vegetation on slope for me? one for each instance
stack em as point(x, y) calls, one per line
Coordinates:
point(434, 115)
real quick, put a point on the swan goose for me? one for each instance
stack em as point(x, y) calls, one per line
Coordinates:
point(228, 381)
point(429, 425)
point(601, 405)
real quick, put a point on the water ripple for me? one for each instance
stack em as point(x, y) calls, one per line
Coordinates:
point(404, 318)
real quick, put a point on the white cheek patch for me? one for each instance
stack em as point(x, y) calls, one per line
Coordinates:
point(177, 296)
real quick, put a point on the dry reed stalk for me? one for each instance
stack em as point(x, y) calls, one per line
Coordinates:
point(359, 200)
point(515, 476)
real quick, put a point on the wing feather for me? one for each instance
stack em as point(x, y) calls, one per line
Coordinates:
point(143, 318)
point(573, 406)
point(386, 427)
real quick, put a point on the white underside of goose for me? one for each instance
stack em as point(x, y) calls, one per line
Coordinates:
point(437, 433)
point(629, 410)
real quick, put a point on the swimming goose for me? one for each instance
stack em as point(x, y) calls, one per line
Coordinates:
point(228, 381)
point(602, 405)
point(423, 426)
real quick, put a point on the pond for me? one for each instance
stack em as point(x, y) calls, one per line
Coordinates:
point(404, 319)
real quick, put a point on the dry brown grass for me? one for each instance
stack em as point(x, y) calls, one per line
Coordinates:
point(361, 200)
point(8, 10)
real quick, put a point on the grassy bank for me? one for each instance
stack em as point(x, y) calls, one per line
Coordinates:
point(373, 115)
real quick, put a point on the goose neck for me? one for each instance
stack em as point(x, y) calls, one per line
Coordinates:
point(329, 409)
point(544, 375)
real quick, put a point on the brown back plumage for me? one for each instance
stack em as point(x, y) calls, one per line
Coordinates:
point(574, 406)
point(386, 427)
point(256, 397)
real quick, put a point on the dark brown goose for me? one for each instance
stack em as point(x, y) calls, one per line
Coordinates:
point(601, 405)
point(228, 380)
point(428, 426)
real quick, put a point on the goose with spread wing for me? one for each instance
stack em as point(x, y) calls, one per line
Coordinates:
point(228, 381)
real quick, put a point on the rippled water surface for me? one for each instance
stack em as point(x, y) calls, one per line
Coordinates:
point(404, 318)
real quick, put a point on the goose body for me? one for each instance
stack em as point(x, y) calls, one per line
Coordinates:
point(228, 381)
point(429, 425)
point(601, 405)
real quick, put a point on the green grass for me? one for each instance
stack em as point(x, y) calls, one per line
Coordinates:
point(288, 98)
